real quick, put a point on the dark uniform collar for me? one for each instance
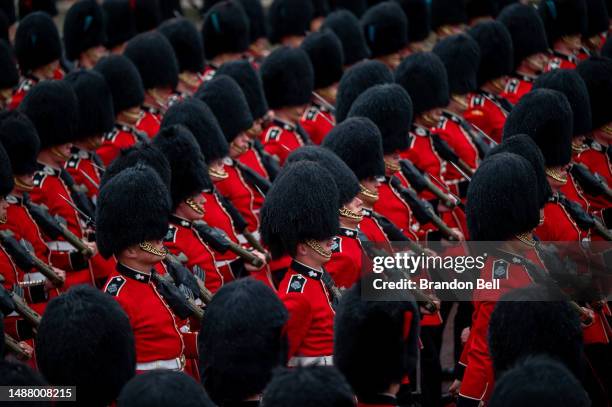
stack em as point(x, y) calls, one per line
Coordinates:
point(150, 109)
point(14, 199)
point(284, 125)
point(320, 106)
point(177, 220)
point(368, 213)
point(379, 400)
point(133, 274)
point(524, 77)
point(352, 233)
point(305, 270)
point(44, 168)
point(571, 58)
point(124, 128)
point(420, 130)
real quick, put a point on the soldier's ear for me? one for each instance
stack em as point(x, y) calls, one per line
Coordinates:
point(131, 252)
point(301, 249)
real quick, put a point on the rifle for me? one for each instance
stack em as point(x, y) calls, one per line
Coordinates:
point(270, 163)
point(13, 346)
point(592, 184)
point(78, 197)
point(583, 219)
point(420, 182)
point(14, 302)
point(253, 178)
point(178, 300)
point(181, 275)
point(478, 136)
point(447, 154)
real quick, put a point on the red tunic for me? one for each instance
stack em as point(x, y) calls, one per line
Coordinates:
point(486, 112)
point(82, 161)
point(317, 121)
point(574, 192)
point(345, 263)
point(236, 189)
point(150, 121)
point(393, 207)
point(517, 87)
point(449, 129)
point(121, 137)
point(251, 159)
point(561, 61)
point(423, 155)
point(280, 139)
point(596, 159)
point(24, 87)
point(558, 225)
point(371, 228)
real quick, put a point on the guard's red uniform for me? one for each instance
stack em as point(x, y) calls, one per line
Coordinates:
point(280, 139)
point(310, 328)
point(573, 192)
point(596, 159)
point(561, 61)
point(82, 161)
point(371, 228)
point(486, 112)
point(24, 87)
point(150, 121)
point(345, 263)
point(558, 225)
point(517, 87)
point(251, 159)
point(391, 205)
point(121, 137)
point(449, 129)
point(317, 121)
point(183, 238)
point(423, 155)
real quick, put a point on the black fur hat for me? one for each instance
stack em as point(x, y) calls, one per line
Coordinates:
point(597, 75)
point(123, 80)
point(546, 116)
point(534, 320)
point(448, 12)
point(526, 29)
point(188, 169)
point(171, 9)
point(8, 8)
point(390, 108)
point(133, 207)
point(15, 373)
point(27, 7)
point(302, 204)
point(147, 14)
point(53, 108)
point(10, 75)
point(502, 199)
point(357, 141)
point(84, 28)
point(573, 87)
point(37, 42)
point(598, 17)
point(241, 340)
point(85, 338)
point(481, 8)
point(257, 21)
point(606, 50)
point(460, 55)
point(6, 173)
point(563, 17)
point(4, 26)
point(375, 342)
point(249, 81)
point(288, 77)
point(385, 28)
point(357, 7)
point(419, 18)
point(346, 181)
point(163, 388)
point(523, 145)
point(20, 140)
point(321, 8)
point(326, 55)
point(154, 58)
point(186, 42)
point(229, 105)
point(356, 80)
point(496, 53)
point(225, 29)
point(424, 77)
point(289, 17)
point(348, 29)
point(321, 386)
point(539, 381)
point(200, 120)
point(120, 22)
point(96, 114)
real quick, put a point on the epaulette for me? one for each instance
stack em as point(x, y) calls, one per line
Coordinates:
point(171, 235)
point(442, 121)
point(39, 178)
point(114, 285)
point(311, 113)
point(500, 269)
point(111, 135)
point(273, 134)
point(477, 101)
point(296, 284)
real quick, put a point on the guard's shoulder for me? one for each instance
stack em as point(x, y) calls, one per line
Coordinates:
point(297, 282)
point(336, 244)
point(39, 178)
point(500, 269)
point(273, 133)
point(111, 135)
point(512, 85)
point(73, 161)
point(477, 101)
point(311, 113)
point(114, 285)
point(171, 235)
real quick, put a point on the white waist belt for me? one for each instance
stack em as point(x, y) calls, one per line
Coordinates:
point(170, 364)
point(311, 361)
point(242, 239)
point(223, 263)
point(60, 246)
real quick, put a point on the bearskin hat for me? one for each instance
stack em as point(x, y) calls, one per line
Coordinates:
point(8, 8)
point(597, 75)
point(546, 116)
point(37, 42)
point(322, 386)
point(598, 19)
point(357, 80)
point(289, 17)
point(225, 29)
point(154, 58)
point(249, 81)
point(321, 8)
point(53, 108)
point(346, 181)
point(326, 55)
point(186, 42)
point(200, 120)
point(147, 14)
point(357, 141)
point(496, 53)
point(502, 199)
point(288, 77)
point(84, 28)
point(4, 26)
point(10, 76)
point(481, 8)
point(563, 17)
point(188, 169)
point(170, 9)
point(448, 12)
point(424, 77)
point(385, 27)
point(375, 342)
point(606, 50)
point(534, 320)
point(96, 114)
point(539, 381)
point(234, 367)
point(6, 173)
point(229, 105)
point(573, 87)
point(390, 108)
point(257, 21)
point(301, 205)
point(163, 388)
point(357, 7)
point(526, 29)
point(523, 145)
point(27, 7)
point(20, 140)
point(124, 81)
point(144, 153)
point(14, 373)
point(348, 30)
point(120, 22)
point(419, 17)
point(460, 55)
point(133, 207)
point(85, 338)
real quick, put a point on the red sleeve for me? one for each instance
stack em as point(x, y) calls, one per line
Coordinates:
point(190, 339)
point(300, 318)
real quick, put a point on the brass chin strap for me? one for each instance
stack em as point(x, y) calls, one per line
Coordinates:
point(149, 248)
point(2, 220)
point(239, 150)
point(194, 206)
point(430, 119)
point(132, 117)
point(162, 103)
point(369, 194)
point(314, 245)
point(217, 174)
point(58, 154)
point(22, 186)
point(461, 100)
point(190, 79)
point(347, 213)
point(607, 129)
point(557, 175)
point(392, 167)
point(526, 238)
point(578, 148)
